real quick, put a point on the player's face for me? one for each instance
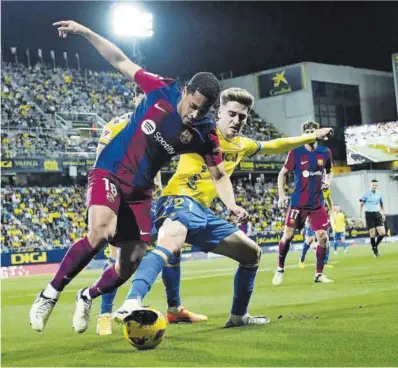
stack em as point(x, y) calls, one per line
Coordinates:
point(337, 208)
point(232, 118)
point(191, 106)
point(373, 186)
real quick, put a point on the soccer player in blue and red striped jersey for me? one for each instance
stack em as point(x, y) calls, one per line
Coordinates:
point(312, 167)
point(166, 123)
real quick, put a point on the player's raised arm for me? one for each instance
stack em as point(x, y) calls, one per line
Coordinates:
point(282, 145)
point(107, 49)
point(328, 171)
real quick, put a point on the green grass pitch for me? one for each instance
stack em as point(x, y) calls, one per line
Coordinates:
point(352, 322)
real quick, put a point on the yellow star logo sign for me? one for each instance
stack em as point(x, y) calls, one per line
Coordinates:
point(279, 77)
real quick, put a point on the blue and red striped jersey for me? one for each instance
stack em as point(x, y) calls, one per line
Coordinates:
point(309, 168)
point(156, 133)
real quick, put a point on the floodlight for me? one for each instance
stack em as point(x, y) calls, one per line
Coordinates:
point(129, 21)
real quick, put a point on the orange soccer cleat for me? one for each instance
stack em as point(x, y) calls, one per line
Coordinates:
point(182, 315)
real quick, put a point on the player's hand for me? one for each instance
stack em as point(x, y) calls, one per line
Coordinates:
point(282, 201)
point(323, 134)
point(240, 213)
point(69, 26)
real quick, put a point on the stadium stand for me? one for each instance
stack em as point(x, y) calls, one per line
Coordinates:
point(53, 217)
point(31, 97)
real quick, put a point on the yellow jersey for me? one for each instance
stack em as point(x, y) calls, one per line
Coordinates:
point(192, 177)
point(339, 225)
point(113, 128)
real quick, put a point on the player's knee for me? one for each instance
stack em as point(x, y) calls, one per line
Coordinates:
point(322, 237)
point(251, 256)
point(124, 270)
point(172, 236)
point(138, 253)
point(382, 231)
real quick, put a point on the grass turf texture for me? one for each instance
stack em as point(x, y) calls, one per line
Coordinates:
point(352, 322)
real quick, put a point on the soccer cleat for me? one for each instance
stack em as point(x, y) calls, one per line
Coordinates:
point(183, 315)
point(301, 265)
point(246, 320)
point(81, 318)
point(40, 311)
point(278, 277)
point(104, 324)
point(128, 307)
point(322, 278)
point(377, 254)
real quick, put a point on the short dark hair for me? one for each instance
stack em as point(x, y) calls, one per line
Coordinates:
point(206, 84)
point(374, 181)
point(309, 125)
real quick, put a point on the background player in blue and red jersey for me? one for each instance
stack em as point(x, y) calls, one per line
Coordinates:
point(312, 167)
point(166, 123)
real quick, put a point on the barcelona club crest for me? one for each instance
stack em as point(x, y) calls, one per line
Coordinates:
point(186, 137)
point(110, 197)
point(320, 161)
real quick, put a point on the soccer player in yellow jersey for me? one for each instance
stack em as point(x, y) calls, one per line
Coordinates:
point(183, 214)
point(338, 226)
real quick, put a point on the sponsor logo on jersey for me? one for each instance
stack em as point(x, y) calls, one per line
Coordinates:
point(307, 173)
point(148, 126)
point(168, 147)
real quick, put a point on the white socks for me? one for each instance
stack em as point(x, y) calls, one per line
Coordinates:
point(86, 294)
point(236, 318)
point(132, 304)
point(50, 292)
point(173, 310)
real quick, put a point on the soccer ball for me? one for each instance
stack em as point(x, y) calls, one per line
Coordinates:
point(144, 328)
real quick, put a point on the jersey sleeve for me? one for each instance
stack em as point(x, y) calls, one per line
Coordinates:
point(289, 163)
point(250, 147)
point(212, 154)
point(328, 165)
point(106, 134)
point(363, 198)
point(148, 82)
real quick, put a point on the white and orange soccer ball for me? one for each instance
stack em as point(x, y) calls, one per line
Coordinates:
point(145, 328)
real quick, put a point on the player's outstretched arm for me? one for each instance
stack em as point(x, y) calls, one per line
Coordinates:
point(107, 49)
point(225, 191)
point(282, 145)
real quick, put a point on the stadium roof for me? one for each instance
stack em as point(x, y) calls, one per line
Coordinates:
point(244, 37)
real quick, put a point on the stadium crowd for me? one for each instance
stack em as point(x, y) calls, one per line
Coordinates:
point(32, 96)
point(56, 215)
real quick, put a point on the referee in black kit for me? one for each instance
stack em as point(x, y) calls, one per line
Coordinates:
point(372, 201)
